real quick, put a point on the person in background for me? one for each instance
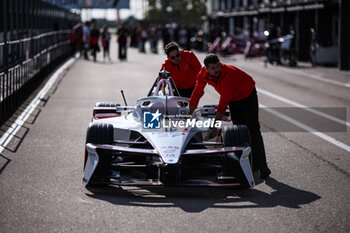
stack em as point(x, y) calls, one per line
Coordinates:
point(272, 51)
point(237, 90)
point(86, 36)
point(93, 41)
point(313, 46)
point(106, 37)
point(139, 30)
point(166, 34)
point(79, 41)
point(153, 38)
point(122, 41)
point(143, 40)
point(72, 42)
point(183, 67)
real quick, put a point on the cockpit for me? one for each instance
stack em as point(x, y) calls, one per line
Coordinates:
point(164, 97)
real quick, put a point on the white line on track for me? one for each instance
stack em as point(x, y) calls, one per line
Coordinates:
point(11, 132)
point(307, 128)
point(304, 107)
point(312, 76)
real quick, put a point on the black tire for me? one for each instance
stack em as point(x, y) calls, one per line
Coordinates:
point(106, 104)
point(100, 133)
point(238, 136)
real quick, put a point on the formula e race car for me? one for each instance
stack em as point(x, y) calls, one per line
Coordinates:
point(157, 142)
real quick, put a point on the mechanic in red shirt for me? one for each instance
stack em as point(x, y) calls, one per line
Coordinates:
point(237, 90)
point(183, 67)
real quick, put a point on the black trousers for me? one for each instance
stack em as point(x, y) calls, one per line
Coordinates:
point(246, 112)
point(122, 51)
point(186, 92)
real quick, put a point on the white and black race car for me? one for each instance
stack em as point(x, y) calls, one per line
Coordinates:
point(156, 142)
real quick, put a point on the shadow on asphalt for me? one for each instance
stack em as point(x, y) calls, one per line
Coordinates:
point(23, 131)
point(4, 165)
point(197, 199)
point(18, 138)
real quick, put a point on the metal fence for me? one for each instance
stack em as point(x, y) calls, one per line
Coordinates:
point(31, 45)
point(18, 81)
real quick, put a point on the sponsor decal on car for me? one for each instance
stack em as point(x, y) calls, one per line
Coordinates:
point(156, 120)
point(151, 120)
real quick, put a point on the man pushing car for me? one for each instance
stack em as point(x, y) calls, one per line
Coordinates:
point(183, 66)
point(237, 90)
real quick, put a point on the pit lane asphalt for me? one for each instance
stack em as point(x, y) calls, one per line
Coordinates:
point(41, 169)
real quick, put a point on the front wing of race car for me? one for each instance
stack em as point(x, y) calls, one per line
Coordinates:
point(119, 165)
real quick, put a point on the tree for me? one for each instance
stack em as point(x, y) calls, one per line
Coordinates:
point(180, 11)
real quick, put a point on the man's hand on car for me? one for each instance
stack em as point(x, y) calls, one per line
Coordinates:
point(191, 110)
point(212, 132)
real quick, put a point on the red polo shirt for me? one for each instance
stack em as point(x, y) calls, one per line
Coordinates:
point(184, 74)
point(232, 85)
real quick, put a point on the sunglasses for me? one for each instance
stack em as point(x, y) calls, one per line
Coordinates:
point(176, 56)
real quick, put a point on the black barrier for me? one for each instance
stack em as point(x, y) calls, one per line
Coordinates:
point(34, 38)
point(19, 80)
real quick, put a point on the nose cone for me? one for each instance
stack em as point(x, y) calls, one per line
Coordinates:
point(169, 145)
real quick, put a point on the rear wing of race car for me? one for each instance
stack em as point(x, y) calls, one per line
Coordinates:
point(106, 110)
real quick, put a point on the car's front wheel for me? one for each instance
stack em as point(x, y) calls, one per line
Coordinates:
point(100, 133)
point(236, 136)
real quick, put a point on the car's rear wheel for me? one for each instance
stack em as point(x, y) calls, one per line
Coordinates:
point(100, 133)
point(236, 136)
